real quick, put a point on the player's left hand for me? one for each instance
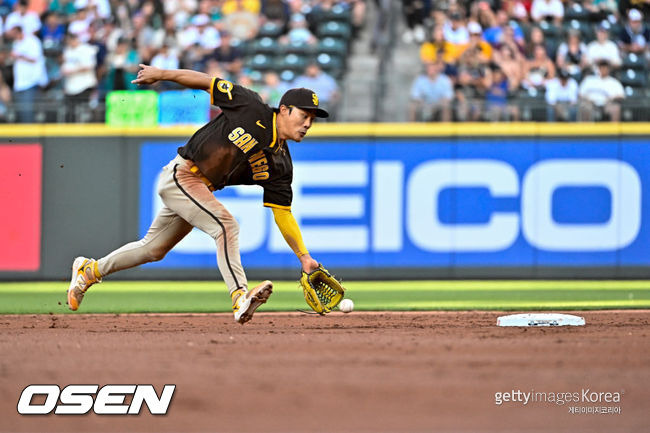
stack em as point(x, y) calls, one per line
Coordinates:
point(147, 75)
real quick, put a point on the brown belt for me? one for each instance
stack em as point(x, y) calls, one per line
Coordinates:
point(194, 169)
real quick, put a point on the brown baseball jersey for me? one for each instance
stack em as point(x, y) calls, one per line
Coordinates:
point(240, 146)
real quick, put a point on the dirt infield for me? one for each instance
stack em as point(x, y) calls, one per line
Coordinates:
point(362, 372)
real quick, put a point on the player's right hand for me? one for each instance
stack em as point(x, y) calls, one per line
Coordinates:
point(147, 75)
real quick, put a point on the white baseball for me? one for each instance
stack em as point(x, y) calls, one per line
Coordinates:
point(346, 305)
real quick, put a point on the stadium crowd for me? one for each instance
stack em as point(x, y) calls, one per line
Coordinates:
point(482, 60)
point(74, 52)
point(490, 59)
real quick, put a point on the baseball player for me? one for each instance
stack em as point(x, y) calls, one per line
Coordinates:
point(245, 144)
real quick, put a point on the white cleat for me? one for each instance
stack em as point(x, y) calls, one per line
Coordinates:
point(244, 303)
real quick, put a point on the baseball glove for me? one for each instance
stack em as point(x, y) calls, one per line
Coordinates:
point(322, 291)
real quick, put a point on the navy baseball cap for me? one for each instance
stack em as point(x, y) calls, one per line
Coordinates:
point(304, 99)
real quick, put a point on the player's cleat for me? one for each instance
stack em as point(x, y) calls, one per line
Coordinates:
point(84, 275)
point(244, 303)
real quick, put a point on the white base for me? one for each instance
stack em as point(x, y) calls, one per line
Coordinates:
point(540, 319)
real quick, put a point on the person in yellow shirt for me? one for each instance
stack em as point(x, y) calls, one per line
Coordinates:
point(230, 6)
point(477, 43)
point(438, 46)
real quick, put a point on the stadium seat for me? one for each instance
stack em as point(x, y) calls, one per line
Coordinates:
point(288, 75)
point(634, 61)
point(334, 29)
point(633, 78)
point(265, 45)
point(269, 29)
point(336, 13)
point(576, 12)
point(550, 30)
point(256, 76)
point(300, 48)
point(532, 105)
point(586, 31)
point(333, 65)
point(333, 46)
point(293, 62)
point(635, 107)
point(260, 62)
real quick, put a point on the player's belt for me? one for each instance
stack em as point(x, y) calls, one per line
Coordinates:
point(194, 169)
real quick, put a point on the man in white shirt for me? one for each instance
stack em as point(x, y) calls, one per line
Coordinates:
point(601, 93)
point(562, 97)
point(80, 79)
point(547, 9)
point(29, 72)
point(28, 21)
point(602, 48)
point(455, 31)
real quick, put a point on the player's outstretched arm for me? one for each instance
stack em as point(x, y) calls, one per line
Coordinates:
point(184, 77)
point(291, 232)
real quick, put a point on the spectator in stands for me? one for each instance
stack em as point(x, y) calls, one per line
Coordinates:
point(511, 62)
point(603, 48)
point(470, 84)
point(98, 35)
point(415, 12)
point(299, 33)
point(495, 33)
point(476, 42)
point(276, 11)
point(322, 84)
point(600, 9)
point(243, 20)
point(63, 7)
point(496, 96)
point(122, 66)
point(29, 72)
point(165, 59)
point(148, 39)
point(549, 10)
point(80, 24)
point(536, 38)
point(272, 89)
point(572, 54)
point(78, 70)
point(600, 95)
point(228, 55)
point(431, 95)
point(635, 35)
point(201, 34)
point(230, 6)
point(170, 36)
point(455, 30)
point(52, 33)
point(21, 16)
point(437, 47)
point(538, 69)
point(5, 97)
point(562, 97)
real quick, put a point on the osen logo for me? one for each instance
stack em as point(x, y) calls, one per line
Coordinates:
point(80, 399)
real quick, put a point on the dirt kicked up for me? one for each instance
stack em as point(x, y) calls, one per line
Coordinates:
point(361, 372)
